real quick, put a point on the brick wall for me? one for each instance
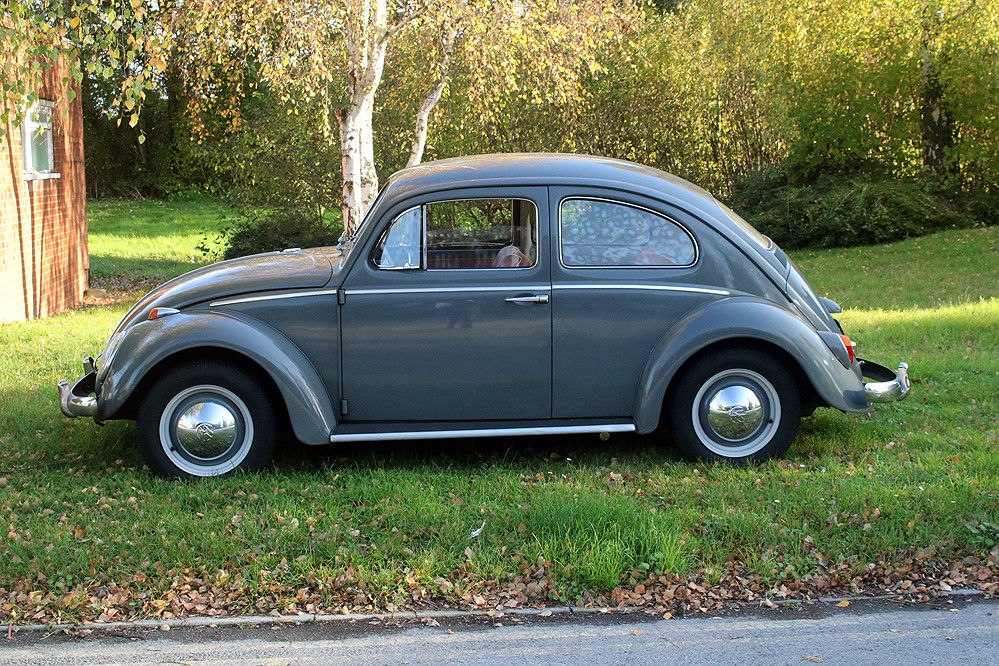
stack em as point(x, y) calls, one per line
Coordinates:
point(44, 265)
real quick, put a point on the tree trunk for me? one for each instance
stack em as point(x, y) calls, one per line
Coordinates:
point(423, 123)
point(360, 180)
point(350, 162)
point(936, 124)
point(366, 53)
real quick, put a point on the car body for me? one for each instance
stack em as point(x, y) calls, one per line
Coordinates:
point(513, 294)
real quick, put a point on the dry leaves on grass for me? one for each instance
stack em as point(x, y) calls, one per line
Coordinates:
point(192, 592)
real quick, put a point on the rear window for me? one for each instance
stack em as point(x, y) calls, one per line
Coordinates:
point(761, 240)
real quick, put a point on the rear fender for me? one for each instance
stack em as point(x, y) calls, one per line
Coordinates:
point(746, 318)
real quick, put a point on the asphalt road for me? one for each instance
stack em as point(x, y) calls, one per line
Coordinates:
point(966, 633)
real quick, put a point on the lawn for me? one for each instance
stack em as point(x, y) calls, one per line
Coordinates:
point(140, 243)
point(904, 499)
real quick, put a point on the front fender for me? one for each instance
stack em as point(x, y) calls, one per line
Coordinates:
point(149, 342)
point(745, 317)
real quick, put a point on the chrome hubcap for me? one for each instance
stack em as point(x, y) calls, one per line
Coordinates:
point(736, 413)
point(206, 430)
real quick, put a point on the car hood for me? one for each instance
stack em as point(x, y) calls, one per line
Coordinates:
point(288, 269)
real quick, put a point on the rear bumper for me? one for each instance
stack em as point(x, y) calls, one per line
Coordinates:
point(891, 385)
point(78, 400)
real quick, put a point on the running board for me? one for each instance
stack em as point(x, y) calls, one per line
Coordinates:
point(481, 432)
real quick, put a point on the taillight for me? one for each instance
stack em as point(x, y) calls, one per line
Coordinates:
point(850, 347)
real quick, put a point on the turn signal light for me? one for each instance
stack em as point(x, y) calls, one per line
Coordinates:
point(159, 313)
point(850, 347)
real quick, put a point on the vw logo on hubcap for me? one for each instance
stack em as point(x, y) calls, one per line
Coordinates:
point(206, 431)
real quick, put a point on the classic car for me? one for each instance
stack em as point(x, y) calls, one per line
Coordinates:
point(493, 295)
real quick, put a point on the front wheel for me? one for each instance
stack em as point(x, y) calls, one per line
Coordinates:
point(206, 419)
point(735, 406)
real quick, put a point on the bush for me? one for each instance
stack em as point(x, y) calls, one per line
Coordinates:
point(842, 210)
point(270, 230)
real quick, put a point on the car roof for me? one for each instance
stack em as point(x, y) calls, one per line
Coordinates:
point(542, 169)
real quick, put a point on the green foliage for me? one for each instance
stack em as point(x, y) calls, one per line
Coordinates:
point(283, 180)
point(166, 164)
point(280, 160)
point(844, 209)
point(270, 229)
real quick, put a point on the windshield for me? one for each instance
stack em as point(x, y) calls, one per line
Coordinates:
point(760, 239)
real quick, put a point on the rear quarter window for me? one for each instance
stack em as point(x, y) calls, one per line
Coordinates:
point(598, 233)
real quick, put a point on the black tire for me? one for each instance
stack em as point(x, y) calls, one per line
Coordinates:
point(726, 377)
point(206, 418)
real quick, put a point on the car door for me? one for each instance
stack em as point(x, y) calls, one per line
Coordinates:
point(625, 268)
point(446, 316)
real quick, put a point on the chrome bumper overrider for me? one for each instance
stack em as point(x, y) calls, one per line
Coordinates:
point(77, 400)
point(891, 386)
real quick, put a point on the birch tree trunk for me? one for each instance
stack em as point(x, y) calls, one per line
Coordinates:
point(423, 123)
point(367, 45)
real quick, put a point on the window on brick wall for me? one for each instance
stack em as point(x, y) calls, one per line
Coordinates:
point(36, 141)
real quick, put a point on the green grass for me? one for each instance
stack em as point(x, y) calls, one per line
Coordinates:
point(373, 523)
point(947, 267)
point(148, 240)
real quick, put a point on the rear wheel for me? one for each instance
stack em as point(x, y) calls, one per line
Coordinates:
point(204, 419)
point(735, 405)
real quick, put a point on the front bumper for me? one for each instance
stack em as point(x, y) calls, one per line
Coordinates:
point(77, 400)
point(891, 385)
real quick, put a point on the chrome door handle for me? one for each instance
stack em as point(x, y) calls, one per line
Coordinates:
point(540, 298)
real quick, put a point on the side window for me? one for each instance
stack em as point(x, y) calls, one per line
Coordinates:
point(482, 233)
point(400, 247)
point(597, 233)
point(462, 234)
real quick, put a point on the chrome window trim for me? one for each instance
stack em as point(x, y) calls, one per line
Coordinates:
point(273, 297)
point(423, 240)
point(443, 290)
point(693, 239)
point(481, 432)
point(648, 287)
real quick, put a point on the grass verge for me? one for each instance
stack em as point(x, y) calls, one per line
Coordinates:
point(906, 498)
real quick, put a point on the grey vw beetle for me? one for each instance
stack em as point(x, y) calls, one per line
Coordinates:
point(488, 296)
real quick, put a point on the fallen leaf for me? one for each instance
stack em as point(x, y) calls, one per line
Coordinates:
point(843, 604)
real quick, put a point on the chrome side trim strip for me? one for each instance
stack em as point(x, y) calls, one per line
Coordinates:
point(446, 290)
point(483, 432)
point(649, 287)
point(273, 297)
